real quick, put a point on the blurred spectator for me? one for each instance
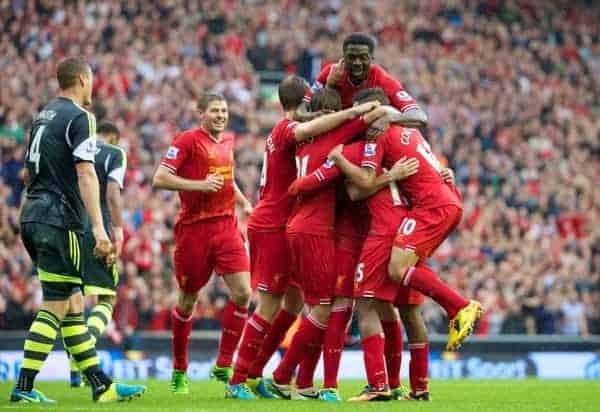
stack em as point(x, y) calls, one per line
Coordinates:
point(511, 89)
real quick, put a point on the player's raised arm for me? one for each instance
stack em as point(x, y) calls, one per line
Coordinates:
point(325, 123)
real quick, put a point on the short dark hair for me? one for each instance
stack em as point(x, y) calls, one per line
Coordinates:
point(68, 71)
point(371, 94)
point(360, 38)
point(105, 128)
point(326, 99)
point(209, 97)
point(291, 92)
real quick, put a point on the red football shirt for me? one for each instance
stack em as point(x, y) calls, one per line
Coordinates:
point(194, 154)
point(278, 173)
point(386, 208)
point(377, 77)
point(425, 189)
point(314, 213)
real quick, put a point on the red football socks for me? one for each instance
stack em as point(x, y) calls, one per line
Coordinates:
point(310, 333)
point(373, 353)
point(254, 332)
point(419, 367)
point(306, 370)
point(393, 351)
point(282, 322)
point(234, 319)
point(426, 281)
point(333, 344)
point(181, 325)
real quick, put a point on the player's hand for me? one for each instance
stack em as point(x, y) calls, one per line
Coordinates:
point(336, 153)
point(365, 108)
point(378, 127)
point(247, 208)
point(404, 168)
point(104, 249)
point(448, 175)
point(118, 239)
point(336, 73)
point(212, 183)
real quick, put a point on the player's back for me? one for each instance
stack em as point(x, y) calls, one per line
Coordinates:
point(110, 164)
point(314, 212)
point(278, 173)
point(426, 188)
point(61, 134)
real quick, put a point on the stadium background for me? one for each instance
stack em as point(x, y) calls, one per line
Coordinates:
point(510, 87)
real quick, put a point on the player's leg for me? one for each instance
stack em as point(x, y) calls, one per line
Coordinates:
point(418, 344)
point(306, 344)
point(392, 331)
point(421, 232)
point(269, 265)
point(341, 313)
point(305, 387)
point(292, 305)
point(193, 269)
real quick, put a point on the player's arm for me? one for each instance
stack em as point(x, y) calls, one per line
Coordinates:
point(327, 122)
point(410, 113)
point(26, 177)
point(402, 169)
point(82, 136)
point(164, 178)
point(116, 177)
point(413, 118)
point(241, 200)
point(325, 175)
point(363, 177)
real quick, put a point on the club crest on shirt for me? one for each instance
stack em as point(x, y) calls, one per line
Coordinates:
point(370, 149)
point(172, 152)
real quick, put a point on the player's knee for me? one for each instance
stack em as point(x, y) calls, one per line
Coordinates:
point(293, 301)
point(241, 295)
point(76, 303)
point(110, 299)
point(320, 313)
point(186, 302)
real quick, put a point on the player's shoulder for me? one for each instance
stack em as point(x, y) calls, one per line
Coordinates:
point(112, 149)
point(382, 76)
point(189, 135)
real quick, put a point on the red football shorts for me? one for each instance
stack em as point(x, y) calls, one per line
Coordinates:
point(372, 278)
point(206, 246)
point(424, 230)
point(347, 253)
point(269, 261)
point(313, 265)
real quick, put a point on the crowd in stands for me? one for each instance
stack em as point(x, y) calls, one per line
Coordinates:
point(511, 89)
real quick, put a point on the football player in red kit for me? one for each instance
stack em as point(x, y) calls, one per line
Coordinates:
point(435, 210)
point(311, 242)
point(199, 165)
point(269, 260)
point(356, 71)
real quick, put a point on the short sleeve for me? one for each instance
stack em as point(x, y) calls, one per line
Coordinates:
point(318, 84)
point(179, 151)
point(81, 134)
point(117, 167)
point(288, 137)
point(399, 98)
point(372, 154)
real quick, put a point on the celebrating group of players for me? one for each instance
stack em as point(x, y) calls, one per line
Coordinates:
point(352, 204)
point(317, 240)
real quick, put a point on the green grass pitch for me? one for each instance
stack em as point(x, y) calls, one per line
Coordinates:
point(463, 396)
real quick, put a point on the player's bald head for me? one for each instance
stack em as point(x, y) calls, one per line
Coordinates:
point(291, 92)
point(371, 95)
point(326, 99)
